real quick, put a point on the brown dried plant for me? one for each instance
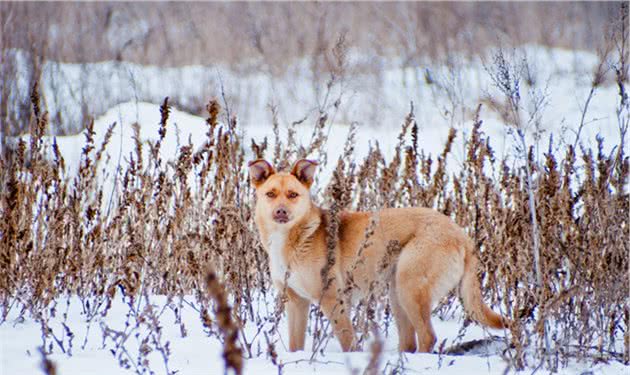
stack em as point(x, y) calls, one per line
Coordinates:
point(170, 220)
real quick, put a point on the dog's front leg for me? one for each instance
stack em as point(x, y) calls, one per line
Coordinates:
point(297, 309)
point(338, 314)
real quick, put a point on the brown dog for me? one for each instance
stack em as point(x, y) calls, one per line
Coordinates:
point(436, 257)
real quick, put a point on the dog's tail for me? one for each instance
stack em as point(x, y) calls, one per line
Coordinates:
point(470, 293)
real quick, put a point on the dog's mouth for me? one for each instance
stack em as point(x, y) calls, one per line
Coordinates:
point(282, 219)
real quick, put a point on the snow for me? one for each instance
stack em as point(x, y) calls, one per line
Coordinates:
point(125, 93)
point(198, 353)
point(377, 100)
point(378, 103)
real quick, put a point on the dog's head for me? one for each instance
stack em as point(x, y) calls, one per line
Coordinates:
point(282, 198)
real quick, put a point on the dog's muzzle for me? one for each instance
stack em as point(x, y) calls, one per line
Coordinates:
point(281, 215)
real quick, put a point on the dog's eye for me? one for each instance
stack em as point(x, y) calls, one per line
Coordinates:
point(271, 194)
point(292, 195)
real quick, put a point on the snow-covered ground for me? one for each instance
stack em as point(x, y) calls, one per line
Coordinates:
point(377, 98)
point(377, 103)
point(197, 353)
point(126, 93)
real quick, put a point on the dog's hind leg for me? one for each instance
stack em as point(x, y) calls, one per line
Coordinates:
point(426, 271)
point(406, 330)
point(418, 309)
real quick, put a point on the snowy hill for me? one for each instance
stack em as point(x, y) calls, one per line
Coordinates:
point(443, 96)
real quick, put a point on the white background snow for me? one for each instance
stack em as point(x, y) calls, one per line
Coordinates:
point(131, 93)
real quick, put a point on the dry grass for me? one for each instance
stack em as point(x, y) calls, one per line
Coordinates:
point(274, 33)
point(277, 39)
point(174, 220)
point(167, 227)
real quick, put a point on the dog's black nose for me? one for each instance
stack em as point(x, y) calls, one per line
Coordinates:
point(281, 215)
point(281, 211)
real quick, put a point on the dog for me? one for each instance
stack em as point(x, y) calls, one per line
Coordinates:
point(435, 257)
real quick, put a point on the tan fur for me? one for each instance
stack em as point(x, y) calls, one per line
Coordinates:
point(436, 257)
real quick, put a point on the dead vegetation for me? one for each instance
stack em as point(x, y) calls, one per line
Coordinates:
point(173, 220)
point(281, 40)
point(551, 234)
point(269, 35)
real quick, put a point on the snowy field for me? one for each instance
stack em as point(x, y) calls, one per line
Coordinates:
point(122, 93)
point(196, 353)
point(379, 99)
point(563, 76)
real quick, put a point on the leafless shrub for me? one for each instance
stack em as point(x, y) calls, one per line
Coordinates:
point(232, 353)
point(277, 39)
point(551, 255)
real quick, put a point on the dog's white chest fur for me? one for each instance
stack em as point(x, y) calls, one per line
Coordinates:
point(277, 262)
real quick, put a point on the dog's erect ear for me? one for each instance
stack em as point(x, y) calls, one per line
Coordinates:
point(259, 171)
point(304, 170)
